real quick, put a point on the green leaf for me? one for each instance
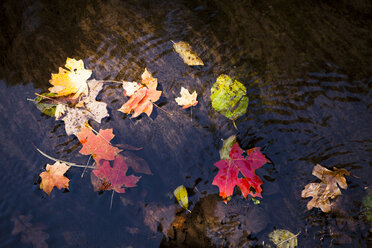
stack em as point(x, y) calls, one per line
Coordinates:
point(226, 147)
point(229, 97)
point(283, 238)
point(44, 107)
point(181, 195)
point(367, 205)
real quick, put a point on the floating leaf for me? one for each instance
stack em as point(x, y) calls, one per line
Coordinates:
point(187, 54)
point(229, 97)
point(226, 147)
point(187, 100)
point(367, 206)
point(115, 178)
point(97, 145)
point(325, 190)
point(143, 96)
point(181, 195)
point(229, 169)
point(31, 233)
point(47, 108)
point(75, 118)
point(54, 177)
point(283, 238)
point(71, 81)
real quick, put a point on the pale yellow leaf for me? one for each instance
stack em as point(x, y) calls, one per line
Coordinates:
point(187, 100)
point(187, 54)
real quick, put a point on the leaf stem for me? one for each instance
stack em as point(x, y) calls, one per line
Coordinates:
point(112, 197)
point(235, 125)
point(162, 109)
point(61, 161)
point(46, 97)
point(82, 174)
point(94, 131)
point(288, 239)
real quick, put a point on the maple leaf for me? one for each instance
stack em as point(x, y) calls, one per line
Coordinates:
point(76, 117)
point(187, 100)
point(97, 145)
point(30, 233)
point(142, 96)
point(115, 178)
point(53, 177)
point(187, 54)
point(71, 81)
point(227, 176)
point(325, 190)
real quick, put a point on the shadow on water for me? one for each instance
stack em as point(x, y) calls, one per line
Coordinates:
point(307, 70)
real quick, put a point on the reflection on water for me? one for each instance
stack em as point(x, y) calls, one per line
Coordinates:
point(307, 69)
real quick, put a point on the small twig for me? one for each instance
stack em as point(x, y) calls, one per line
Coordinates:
point(288, 239)
point(46, 97)
point(162, 109)
point(94, 131)
point(82, 174)
point(112, 197)
point(61, 161)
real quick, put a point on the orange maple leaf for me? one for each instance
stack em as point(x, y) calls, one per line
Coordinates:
point(53, 177)
point(141, 101)
point(97, 145)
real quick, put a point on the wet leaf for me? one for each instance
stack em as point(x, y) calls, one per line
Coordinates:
point(46, 107)
point(54, 177)
point(226, 147)
point(114, 178)
point(97, 145)
point(139, 165)
point(187, 54)
point(142, 96)
point(76, 117)
point(367, 206)
point(31, 233)
point(228, 175)
point(229, 97)
point(187, 100)
point(71, 81)
point(325, 190)
point(156, 214)
point(181, 195)
point(283, 238)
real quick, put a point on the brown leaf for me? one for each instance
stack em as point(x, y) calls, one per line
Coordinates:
point(325, 190)
point(30, 233)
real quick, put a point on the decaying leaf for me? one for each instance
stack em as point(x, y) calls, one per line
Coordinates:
point(367, 206)
point(283, 238)
point(48, 108)
point(325, 190)
point(54, 177)
point(187, 54)
point(229, 169)
point(229, 97)
point(115, 178)
point(31, 233)
point(142, 96)
point(97, 145)
point(76, 117)
point(187, 100)
point(181, 195)
point(71, 81)
point(156, 214)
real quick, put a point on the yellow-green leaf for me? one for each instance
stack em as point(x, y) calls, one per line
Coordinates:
point(226, 147)
point(187, 54)
point(181, 195)
point(283, 238)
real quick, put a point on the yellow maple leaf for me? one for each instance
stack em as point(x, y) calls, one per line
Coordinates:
point(53, 177)
point(71, 81)
point(187, 100)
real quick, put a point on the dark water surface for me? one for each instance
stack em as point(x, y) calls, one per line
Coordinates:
point(307, 67)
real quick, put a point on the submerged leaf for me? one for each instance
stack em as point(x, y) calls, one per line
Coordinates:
point(30, 233)
point(181, 195)
point(325, 190)
point(187, 100)
point(71, 81)
point(283, 238)
point(187, 54)
point(54, 177)
point(229, 97)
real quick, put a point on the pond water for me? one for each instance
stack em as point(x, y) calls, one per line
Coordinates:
point(307, 67)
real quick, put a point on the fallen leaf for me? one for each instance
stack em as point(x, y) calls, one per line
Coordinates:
point(71, 81)
point(46, 107)
point(186, 100)
point(227, 176)
point(30, 233)
point(283, 238)
point(156, 214)
point(75, 117)
point(187, 54)
point(130, 87)
point(325, 190)
point(143, 97)
point(59, 111)
point(139, 165)
point(115, 177)
point(54, 177)
point(229, 97)
point(181, 195)
point(97, 145)
point(367, 206)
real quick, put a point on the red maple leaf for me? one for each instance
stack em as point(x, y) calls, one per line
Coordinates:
point(227, 176)
point(115, 178)
point(97, 145)
point(141, 101)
